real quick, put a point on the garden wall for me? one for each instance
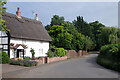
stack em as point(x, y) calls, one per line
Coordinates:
point(73, 53)
point(49, 60)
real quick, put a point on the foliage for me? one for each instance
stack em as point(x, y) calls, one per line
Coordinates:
point(27, 58)
point(33, 53)
point(108, 64)
point(4, 57)
point(81, 35)
point(51, 54)
point(26, 63)
point(15, 62)
point(2, 11)
point(109, 56)
point(60, 37)
point(88, 44)
point(77, 41)
point(51, 51)
point(82, 26)
point(60, 52)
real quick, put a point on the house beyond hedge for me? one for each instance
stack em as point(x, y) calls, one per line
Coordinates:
point(24, 31)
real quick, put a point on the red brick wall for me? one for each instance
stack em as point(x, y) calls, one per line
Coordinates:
point(73, 53)
point(49, 60)
point(39, 62)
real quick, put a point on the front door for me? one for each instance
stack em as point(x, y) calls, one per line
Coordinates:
point(20, 53)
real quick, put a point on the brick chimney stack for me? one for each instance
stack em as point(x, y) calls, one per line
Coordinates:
point(36, 17)
point(18, 13)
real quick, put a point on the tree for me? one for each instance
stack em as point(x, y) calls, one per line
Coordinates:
point(56, 20)
point(82, 26)
point(95, 26)
point(78, 41)
point(2, 11)
point(88, 44)
point(60, 37)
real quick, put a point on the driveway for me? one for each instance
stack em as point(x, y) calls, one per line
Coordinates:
point(74, 68)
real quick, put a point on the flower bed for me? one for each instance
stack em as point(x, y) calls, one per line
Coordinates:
point(26, 63)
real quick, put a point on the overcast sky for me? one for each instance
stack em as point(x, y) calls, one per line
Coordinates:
point(104, 12)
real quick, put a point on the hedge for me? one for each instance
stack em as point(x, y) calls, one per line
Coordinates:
point(4, 58)
point(60, 52)
point(109, 57)
point(57, 52)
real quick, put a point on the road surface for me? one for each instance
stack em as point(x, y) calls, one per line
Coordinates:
point(74, 68)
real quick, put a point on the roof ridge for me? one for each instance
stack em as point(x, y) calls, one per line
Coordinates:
point(22, 18)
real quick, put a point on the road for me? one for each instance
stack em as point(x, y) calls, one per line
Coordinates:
point(74, 68)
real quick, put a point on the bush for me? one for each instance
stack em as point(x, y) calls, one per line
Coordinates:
point(110, 52)
point(50, 54)
point(4, 57)
point(32, 52)
point(109, 56)
point(27, 58)
point(23, 63)
point(60, 52)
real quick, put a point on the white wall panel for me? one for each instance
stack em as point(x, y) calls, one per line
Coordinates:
point(36, 45)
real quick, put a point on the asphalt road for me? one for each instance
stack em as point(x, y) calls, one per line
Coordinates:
point(73, 68)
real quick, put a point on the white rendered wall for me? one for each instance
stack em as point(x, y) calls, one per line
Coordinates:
point(38, 46)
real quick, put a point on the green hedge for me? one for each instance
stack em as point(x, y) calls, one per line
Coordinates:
point(56, 52)
point(4, 57)
point(109, 56)
point(60, 52)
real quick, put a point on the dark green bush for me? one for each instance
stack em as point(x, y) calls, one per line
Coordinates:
point(109, 56)
point(60, 52)
point(4, 57)
point(50, 54)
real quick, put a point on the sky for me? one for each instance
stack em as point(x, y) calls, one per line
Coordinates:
point(104, 12)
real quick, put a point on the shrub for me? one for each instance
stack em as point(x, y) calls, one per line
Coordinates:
point(109, 56)
point(23, 63)
point(4, 57)
point(32, 52)
point(27, 58)
point(110, 52)
point(14, 62)
point(50, 54)
point(60, 52)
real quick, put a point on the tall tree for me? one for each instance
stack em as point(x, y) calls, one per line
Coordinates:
point(82, 26)
point(56, 20)
point(2, 11)
point(60, 37)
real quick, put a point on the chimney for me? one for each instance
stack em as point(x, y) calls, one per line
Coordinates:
point(36, 17)
point(18, 13)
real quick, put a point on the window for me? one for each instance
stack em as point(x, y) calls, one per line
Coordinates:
point(41, 51)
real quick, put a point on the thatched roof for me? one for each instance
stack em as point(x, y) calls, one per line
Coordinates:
point(25, 28)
